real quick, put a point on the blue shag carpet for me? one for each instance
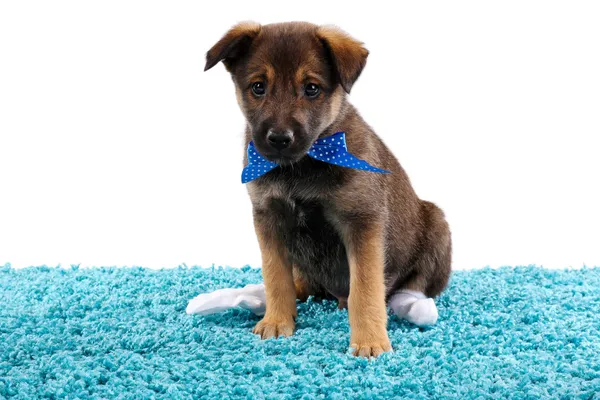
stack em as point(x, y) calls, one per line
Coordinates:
point(525, 333)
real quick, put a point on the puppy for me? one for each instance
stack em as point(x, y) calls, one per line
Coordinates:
point(327, 230)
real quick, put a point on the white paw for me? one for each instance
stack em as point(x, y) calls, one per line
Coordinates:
point(414, 307)
point(422, 312)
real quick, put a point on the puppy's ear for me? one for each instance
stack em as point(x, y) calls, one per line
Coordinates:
point(232, 45)
point(349, 56)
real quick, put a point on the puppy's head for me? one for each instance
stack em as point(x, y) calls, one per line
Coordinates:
point(290, 80)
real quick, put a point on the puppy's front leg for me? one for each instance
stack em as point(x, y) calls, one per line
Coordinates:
point(366, 304)
point(279, 283)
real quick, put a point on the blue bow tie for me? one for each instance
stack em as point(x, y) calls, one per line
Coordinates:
point(331, 149)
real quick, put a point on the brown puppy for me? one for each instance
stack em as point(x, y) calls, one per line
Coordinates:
point(325, 229)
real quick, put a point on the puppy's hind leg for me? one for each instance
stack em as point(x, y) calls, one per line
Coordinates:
point(431, 271)
point(411, 303)
point(303, 288)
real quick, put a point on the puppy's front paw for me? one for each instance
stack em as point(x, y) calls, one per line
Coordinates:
point(268, 328)
point(371, 348)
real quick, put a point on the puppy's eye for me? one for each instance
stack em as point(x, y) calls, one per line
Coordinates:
point(258, 88)
point(312, 90)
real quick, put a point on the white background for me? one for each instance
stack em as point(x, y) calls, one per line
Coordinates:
point(116, 149)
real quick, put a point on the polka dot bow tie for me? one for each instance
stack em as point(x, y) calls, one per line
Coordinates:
point(331, 149)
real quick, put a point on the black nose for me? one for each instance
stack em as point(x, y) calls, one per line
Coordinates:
point(280, 139)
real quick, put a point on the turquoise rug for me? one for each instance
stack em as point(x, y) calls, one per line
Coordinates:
point(522, 333)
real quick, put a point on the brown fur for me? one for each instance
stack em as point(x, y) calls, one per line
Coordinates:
point(349, 234)
point(279, 284)
point(303, 289)
point(366, 303)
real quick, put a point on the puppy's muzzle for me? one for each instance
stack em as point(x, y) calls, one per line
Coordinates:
point(280, 139)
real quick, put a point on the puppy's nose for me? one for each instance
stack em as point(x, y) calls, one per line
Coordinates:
point(280, 139)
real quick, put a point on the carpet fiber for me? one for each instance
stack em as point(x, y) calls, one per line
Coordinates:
point(123, 333)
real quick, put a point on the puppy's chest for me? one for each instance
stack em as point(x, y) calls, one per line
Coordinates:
point(297, 215)
point(313, 244)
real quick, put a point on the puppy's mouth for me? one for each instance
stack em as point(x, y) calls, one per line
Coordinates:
point(282, 159)
point(287, 156)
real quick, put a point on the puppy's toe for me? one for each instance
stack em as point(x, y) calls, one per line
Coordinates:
point(270, 329)
point(371, 350)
